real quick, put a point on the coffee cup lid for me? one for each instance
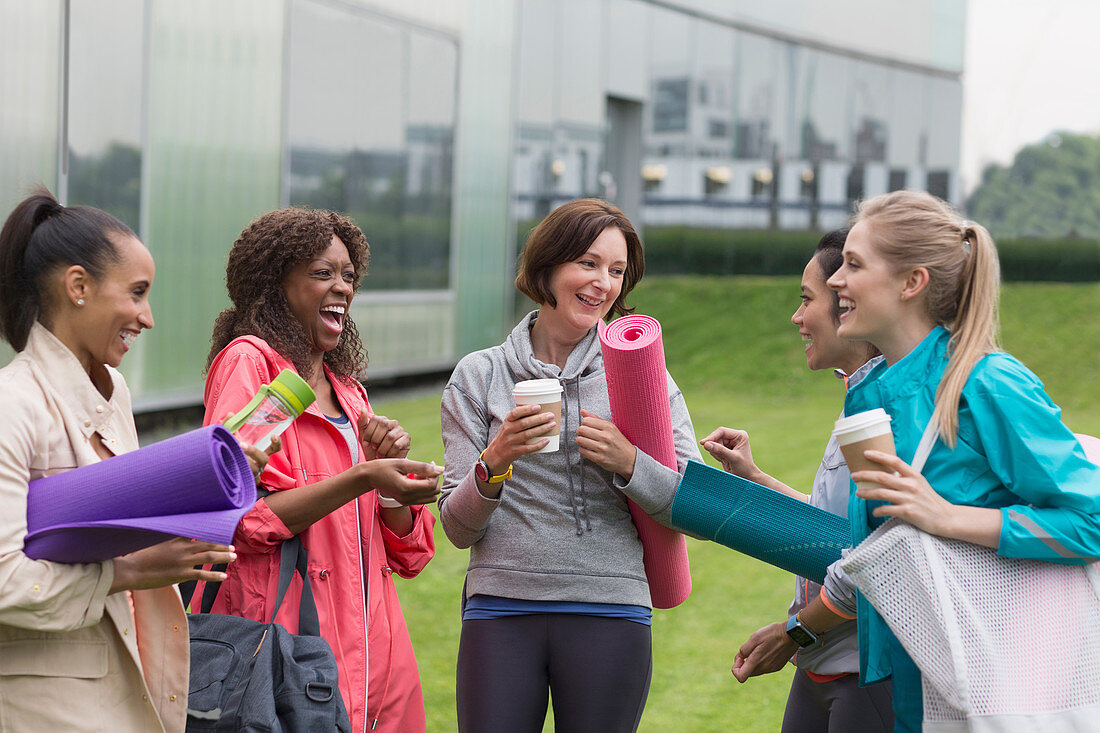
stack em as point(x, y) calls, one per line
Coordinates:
point(861, 420)
point(537, 387)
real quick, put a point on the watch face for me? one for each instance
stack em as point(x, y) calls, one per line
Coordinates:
point(481, 470)
point(801, 637)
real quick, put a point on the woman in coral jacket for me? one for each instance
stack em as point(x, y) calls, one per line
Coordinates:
point(341, 481)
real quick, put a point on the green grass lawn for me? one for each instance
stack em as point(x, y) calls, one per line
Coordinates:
point(731, 347)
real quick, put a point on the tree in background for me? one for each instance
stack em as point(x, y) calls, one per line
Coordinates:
point(1052, 189)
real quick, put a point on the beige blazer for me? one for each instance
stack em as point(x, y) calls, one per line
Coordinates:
point(73, 658)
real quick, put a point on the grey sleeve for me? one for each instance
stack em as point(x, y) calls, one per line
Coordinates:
point(463, 510)
point(838, 588)
point(653, 486)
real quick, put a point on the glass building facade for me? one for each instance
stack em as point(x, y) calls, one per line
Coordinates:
point(445, 128)
point(694, 114)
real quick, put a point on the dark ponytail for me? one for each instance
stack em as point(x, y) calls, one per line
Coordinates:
point(40, 236)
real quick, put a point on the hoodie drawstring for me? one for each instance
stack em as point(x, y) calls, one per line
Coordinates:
point(580, 463)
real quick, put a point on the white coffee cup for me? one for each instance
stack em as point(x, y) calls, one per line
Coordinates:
point(545, 392)
point(868, 430)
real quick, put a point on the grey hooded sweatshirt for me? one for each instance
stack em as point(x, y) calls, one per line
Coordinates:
point(560, 529)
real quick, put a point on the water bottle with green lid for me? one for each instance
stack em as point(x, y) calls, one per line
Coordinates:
point(272, 410)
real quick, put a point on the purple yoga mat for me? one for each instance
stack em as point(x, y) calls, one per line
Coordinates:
point(195, 485)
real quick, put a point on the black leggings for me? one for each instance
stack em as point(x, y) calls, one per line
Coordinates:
point(838, 706)
point(596, 669)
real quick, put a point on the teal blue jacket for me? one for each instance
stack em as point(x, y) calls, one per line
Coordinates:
point(1013, 453)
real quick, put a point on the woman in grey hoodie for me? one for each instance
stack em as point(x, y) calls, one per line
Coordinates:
point(556, 597)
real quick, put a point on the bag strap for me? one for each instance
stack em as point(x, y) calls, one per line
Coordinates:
point(927, 440)
point(187, 589)
point(938, 573)
point(211, 588)
point(293, 557)
point(209, 591)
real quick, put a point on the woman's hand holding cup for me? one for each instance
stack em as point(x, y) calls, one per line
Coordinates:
point(521, 433)
point(904, 492)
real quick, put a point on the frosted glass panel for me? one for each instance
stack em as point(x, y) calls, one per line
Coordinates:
point(30, 35)
point(105, 87)
point(214, 162)
point(371, 133)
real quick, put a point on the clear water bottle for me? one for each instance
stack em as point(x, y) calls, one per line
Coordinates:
point(272, 410)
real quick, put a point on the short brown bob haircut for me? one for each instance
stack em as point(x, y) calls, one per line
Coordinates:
point(564, 236)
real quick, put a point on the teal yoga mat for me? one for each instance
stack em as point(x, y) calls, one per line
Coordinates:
point(760, 522)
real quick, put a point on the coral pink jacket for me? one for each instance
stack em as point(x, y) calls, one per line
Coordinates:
point(352, 553)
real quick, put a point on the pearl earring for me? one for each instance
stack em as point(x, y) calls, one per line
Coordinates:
point(80, 301)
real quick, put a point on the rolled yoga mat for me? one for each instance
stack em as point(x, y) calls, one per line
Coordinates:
point(758, 521)
point(196, 485)
point(637, 385)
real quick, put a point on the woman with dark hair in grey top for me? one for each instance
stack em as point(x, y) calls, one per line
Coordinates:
point(825, 694)
point(556, 598)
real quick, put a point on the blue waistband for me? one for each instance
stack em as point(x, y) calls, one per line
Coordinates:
point(482, 607)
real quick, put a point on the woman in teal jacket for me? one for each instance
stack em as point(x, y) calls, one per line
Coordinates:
point(922, 285)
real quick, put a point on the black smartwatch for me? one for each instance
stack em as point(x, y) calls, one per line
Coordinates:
point(799, 633)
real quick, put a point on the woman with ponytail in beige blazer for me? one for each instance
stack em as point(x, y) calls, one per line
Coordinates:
point(98, 646)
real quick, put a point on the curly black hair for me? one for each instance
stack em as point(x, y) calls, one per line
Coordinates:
point(265, 252)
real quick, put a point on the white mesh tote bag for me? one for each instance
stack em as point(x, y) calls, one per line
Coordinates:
point(1003, 645)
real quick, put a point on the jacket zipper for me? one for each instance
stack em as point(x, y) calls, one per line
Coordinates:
point(364, 587)
point(364, 577)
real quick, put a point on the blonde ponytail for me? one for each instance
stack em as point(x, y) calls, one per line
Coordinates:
point(975, 330)
point(914, 229)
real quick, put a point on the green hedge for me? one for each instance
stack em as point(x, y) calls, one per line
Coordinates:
point(687, 251)
point(1050, 260)
point(682, 250)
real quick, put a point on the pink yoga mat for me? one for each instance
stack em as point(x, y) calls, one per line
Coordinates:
point(637, 385)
